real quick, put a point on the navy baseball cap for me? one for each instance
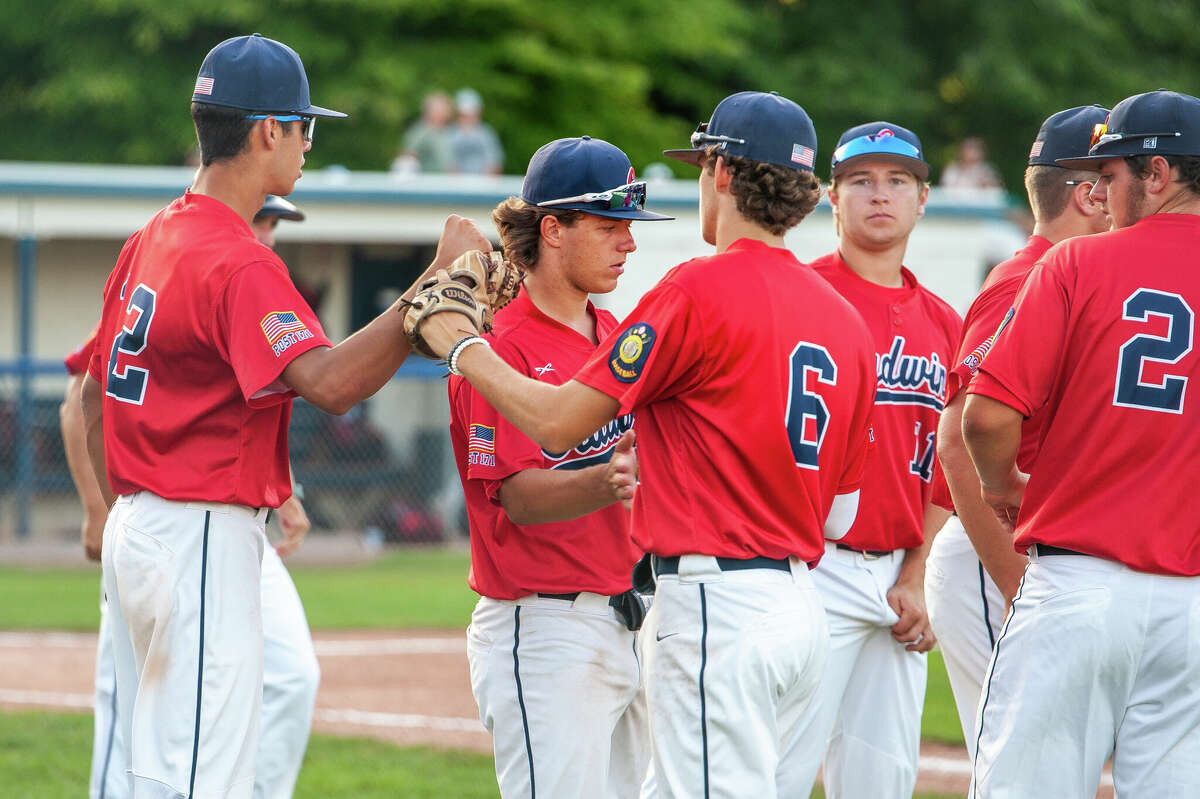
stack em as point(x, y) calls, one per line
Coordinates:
point(255, 73)
point(1154, 123)
point(1067, 134)
point(761, 126)
point(277, 206)
point(586, 174)
point(880, 141)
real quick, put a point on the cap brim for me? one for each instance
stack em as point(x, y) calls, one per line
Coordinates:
point(689, 156)
point(318, 111)
point(293, 216)
point(914, 165)
point(1087, 162)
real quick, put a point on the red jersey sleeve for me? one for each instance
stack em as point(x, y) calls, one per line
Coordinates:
point(496, 449)
point(79, 361)
point(988, 313)
point(1022, 365)
point(260, 325)
point(656, 354)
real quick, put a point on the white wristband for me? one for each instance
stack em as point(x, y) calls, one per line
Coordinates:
point(457, 349)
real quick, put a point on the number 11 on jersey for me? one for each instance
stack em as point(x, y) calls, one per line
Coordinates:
point(126, 382)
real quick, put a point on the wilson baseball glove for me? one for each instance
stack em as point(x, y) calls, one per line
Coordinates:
point(476, 284)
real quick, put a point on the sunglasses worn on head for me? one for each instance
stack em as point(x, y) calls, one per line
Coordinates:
point(701, 136)
point(631, 195)
point(307, 126)
point(1100, 135)
point(873, 144)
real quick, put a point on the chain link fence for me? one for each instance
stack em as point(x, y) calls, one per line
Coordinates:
point(384, 471)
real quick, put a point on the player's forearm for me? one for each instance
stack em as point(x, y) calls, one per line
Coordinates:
point(79, 464)
point(556, 417)
point(93, 423)
point(335, 379)
point(537, 496)
point(993, 544)
point(991, 432)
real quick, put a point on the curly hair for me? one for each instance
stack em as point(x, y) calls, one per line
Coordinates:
point(520, 227)
point(1188, 166)
point(774, 197)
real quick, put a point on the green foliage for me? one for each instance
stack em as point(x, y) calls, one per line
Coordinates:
point(109, 80)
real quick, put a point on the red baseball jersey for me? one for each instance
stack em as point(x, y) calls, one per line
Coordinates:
point(1102, 346)
point(591, 553)
point(915, 334)
point(77, 362)
point(199, 321)
point(752, 380)
point(987, 314)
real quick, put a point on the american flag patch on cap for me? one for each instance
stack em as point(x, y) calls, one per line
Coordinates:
point(204, 85)
point(278, 324)
point(481, 439)
point(1036, 149)
point(803, 155)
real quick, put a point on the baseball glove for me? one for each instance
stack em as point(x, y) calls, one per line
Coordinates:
point(476, 285)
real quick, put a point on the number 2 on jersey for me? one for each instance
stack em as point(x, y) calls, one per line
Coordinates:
point(807, 413)
point(125, 382)
point(1167, 396)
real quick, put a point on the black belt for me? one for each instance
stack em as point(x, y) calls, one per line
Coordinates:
point(1046, 549)
point(875, 553)
point(671, 565)
point(629, 607)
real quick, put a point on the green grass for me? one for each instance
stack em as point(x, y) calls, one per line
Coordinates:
point(46, 756)
point(413, 588)
point(418, 588)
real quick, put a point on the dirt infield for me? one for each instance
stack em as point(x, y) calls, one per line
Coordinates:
point(409, 688)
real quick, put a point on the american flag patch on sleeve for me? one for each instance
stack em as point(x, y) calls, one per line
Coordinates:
point(278, 324)
point(481, 439)
point(283, 329)
point(204, 85)
point(803, 155)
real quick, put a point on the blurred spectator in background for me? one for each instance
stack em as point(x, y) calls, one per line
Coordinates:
point(971, 170)
point(264, 224)
point(426, 146)
point(474, 146)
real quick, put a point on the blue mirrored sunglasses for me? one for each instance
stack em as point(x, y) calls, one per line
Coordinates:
point(870, 145)
point(306, 129)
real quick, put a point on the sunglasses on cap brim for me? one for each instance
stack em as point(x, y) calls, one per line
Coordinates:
point(701, 136)
point(1100, 135)
point(308, 124)
point(631, 195)
point(874, 145)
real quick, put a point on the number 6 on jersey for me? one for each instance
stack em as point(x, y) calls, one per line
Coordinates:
point(807, 414)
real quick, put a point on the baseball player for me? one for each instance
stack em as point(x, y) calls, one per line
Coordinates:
point(866, 719)
point(752, 384)
point(291, 673)
point(966, 606)
point(553, 662)
point(1099, 654)
point(203, 341)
